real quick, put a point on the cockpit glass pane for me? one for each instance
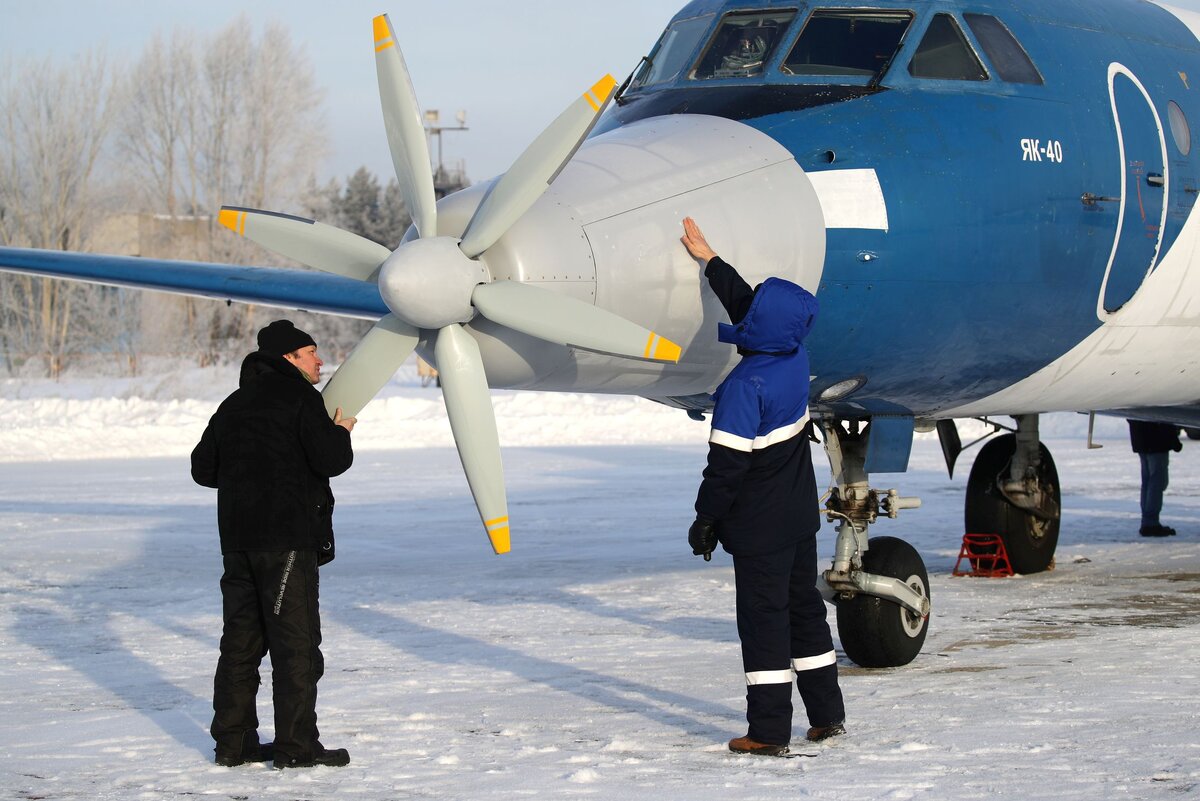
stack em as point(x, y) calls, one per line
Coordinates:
point(847, 42)
point(673, 51)
point(743, 44)
point(1011, 61)
point(944, 54)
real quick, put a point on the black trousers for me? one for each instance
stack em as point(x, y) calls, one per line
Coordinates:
point(270, 606)
point(781, 622)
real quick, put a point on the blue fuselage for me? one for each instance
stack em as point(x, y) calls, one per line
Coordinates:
point(1002, 198)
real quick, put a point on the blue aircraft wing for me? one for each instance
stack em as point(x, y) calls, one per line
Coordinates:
point(268, 286)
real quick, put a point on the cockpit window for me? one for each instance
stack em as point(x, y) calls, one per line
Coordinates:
point(743, 44)
point(847, 42)
point(1011, 61)
point(671, 54)
point(945, 54)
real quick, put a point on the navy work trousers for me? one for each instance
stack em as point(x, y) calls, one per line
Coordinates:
point(781, 622)
point(269, 600)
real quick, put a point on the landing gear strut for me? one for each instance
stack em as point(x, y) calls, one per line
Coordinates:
point(1013, 491)
point(879, 586)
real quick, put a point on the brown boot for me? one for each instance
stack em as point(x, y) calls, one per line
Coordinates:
point(744, 745)
point(818, 733)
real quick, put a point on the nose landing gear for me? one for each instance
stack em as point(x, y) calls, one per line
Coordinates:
point(879, 586)
point(1013, 491)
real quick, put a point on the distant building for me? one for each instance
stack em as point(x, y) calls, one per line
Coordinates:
point(159, 236)
point(166, 322)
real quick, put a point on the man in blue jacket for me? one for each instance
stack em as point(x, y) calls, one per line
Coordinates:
point(759, 500)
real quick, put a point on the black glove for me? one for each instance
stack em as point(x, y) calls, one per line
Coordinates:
point(702, 538)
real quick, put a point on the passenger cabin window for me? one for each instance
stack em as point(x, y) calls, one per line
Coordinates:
point(945, 54)
point(847, 42)
point(743, 44)
point(673, 51)
point(1011, 61)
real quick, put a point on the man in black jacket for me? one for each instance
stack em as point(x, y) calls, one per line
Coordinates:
point(270, 451)
point(1153, 443)
point(758, 499)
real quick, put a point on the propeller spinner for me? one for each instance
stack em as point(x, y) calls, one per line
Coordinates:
point(438, 283)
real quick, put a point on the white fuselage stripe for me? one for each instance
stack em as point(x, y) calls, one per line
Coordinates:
point(1115, 69)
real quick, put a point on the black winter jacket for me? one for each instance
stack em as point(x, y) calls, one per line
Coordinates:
point(1154, 437)
point(270, 451)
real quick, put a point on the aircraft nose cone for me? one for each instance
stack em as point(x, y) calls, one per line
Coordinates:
point(428, 282)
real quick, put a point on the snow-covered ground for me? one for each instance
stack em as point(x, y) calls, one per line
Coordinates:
point(599, 659)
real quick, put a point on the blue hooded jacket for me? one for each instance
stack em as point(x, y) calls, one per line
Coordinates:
point(759, 487)
point(764, 399)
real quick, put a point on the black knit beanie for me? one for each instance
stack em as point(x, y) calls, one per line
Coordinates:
point(281, 337)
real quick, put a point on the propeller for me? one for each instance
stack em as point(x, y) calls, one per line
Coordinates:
point(436, 283)
point(405, 131)
point(372, 363)
point(322, 247)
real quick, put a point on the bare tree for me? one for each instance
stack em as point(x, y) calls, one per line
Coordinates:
point(54, 122)
point(156, 111)
point(254, 131)
point(285, 121)
point(233, 119)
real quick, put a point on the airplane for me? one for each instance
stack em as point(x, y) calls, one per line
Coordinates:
point(993, 201)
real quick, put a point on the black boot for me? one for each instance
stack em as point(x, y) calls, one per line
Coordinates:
point(251, 750)
point(329, 757)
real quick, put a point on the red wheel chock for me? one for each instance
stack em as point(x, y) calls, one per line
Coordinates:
point(986, 556)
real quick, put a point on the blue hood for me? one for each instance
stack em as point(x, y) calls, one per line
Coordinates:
point(779, 318)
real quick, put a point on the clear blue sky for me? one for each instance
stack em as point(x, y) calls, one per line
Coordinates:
point(512, 65)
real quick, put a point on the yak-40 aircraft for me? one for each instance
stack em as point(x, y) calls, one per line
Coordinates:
point(994, 202)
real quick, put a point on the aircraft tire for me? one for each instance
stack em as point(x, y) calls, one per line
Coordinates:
point(876, 632)
point(1029, 542)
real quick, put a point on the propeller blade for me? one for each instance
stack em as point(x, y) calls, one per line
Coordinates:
point(473, 421)
point(535, 169)
point(323, 247)
point(559, 318)
point(369, 366)
point(405, 130)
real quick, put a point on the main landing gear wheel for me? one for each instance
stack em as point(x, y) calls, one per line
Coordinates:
point(1029, 540)
point(876, 632)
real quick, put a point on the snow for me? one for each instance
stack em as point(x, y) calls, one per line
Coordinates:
point(163, 415)
point(599, 659)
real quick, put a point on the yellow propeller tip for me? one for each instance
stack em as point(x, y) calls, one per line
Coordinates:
point(603, 86)
point(497, 531)
point(598, 95)
point(383, 33)
point(233, 220)
point(662, 349)
point(501, 542)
